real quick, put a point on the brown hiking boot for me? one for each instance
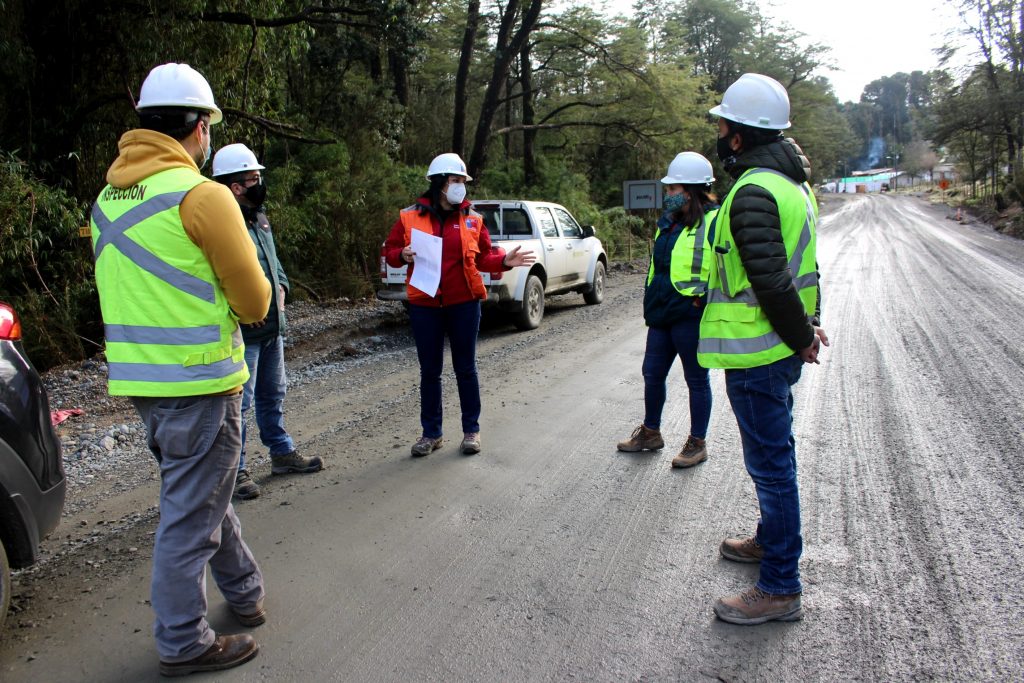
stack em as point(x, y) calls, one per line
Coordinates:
point(254, 616)
point(293, 463)
point(746, 550)
point(245, 487)
point(471, 443)
point(694, 452)
point(754, 606)
point(642, 439)
point(426, 446)
point(226, 652)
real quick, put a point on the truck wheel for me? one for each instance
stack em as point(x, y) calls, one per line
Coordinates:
point(596, 293)
point(533, 305)
point(5, 585)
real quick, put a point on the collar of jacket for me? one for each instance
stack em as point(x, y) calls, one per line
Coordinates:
point(783, 155)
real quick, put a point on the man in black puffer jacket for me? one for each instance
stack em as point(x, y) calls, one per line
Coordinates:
point(761, 325)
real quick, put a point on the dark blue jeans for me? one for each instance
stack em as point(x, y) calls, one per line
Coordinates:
point(663, 345)
point(461, 324)
point(762, 399)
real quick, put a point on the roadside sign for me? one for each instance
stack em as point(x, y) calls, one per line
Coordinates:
point(641, 194)
point(85, 231)
point(944, 184)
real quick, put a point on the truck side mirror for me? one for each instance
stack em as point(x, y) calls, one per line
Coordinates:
point(588, 231)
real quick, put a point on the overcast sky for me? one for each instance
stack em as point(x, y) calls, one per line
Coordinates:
point(869, 38)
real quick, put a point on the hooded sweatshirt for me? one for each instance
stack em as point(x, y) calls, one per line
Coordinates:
point(209, 214)
point(757, 231)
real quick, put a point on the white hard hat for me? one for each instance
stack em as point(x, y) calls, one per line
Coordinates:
point(689, 168)
point(757, 101)
point(178, 85)
point(234, 159)
point(448, 163)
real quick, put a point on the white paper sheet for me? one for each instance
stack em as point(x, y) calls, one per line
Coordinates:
point(426, 276)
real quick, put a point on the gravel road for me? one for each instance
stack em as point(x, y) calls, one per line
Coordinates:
point(551, 556)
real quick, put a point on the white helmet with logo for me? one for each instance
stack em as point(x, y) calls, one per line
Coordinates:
point(448, 163)
point(689, 168)
point(757, 101)
point(178, 85)
point(234, 158)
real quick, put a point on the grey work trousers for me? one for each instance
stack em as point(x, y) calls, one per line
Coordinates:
point(197, 441)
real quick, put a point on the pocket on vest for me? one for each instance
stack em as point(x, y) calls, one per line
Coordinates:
point(730, 313)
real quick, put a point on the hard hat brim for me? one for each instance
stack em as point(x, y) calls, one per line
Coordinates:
point(468, 178)
point(717, 111)
point(216, 116)
point(257, 167)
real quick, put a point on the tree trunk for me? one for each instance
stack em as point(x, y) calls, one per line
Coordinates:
point(509, 86)
point(462, 77)
point(529, 135)
point(504, 52)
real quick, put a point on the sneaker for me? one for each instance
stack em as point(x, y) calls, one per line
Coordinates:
point(746, 550)
point(471, 443)
point(426, 446)
point(245, 487)
point(252, 617)
point(293, 463)
point(694, 452)
point(642, 439)
point(754, 606)
point(226, 652)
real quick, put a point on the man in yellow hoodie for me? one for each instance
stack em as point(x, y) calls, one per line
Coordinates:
point(176, 273)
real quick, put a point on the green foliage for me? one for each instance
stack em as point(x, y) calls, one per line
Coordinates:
point(624, 236)
point(45, 267)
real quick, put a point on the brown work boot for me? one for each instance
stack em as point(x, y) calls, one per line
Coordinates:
point(226, 652)
point(471, 443)
point(426, 446)
point(754, 606)
point(293, 463)
point(642, 439)
point(746, 550)
point(694, 452)
point(254, 616)
point(245, 487)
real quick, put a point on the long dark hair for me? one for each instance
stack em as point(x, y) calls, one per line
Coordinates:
point(693, 210)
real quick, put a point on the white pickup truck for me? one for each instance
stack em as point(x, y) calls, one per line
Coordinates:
point(569, 259)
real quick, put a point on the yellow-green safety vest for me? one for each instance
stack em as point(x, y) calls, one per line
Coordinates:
point(690, 267)
point(168, 326)
point(734, 330)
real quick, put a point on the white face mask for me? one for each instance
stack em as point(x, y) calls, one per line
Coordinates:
point(456, 193)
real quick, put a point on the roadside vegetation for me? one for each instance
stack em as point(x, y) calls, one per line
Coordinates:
point(346, 102)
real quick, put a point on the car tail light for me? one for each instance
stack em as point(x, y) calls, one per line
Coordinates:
point(10, 325)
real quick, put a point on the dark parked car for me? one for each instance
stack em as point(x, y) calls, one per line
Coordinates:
point(31, 471)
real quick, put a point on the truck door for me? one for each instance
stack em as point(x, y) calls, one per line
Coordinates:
point(556, 258)
point(572, 245)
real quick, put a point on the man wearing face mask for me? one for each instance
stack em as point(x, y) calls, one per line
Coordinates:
point(236, 167)
point(761, 324)
point(176, 272)
point(454, 310)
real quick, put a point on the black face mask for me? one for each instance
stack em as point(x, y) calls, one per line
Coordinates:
point(725, 152)
point(257, 193)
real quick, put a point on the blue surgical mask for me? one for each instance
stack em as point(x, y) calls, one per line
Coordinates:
point(673, 202)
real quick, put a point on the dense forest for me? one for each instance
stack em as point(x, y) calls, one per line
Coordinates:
point(346, 101)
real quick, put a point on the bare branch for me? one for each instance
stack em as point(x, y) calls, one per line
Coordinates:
point(284, 130)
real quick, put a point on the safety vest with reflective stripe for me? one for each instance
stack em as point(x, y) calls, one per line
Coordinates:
point(470, 226)
point(734, 330)
point(169, 328)
point(690, 266)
